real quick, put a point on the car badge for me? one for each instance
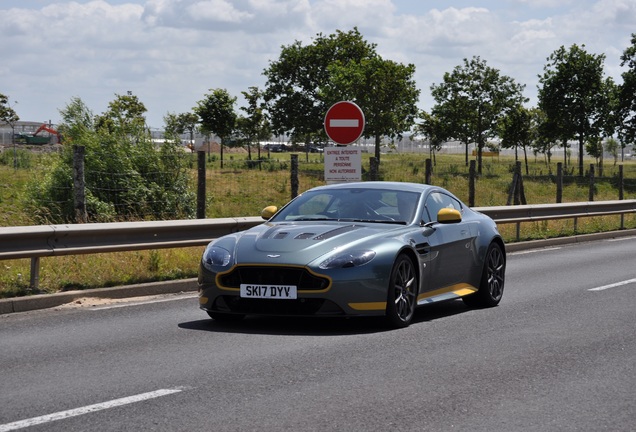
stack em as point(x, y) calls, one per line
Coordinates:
point(273, 256)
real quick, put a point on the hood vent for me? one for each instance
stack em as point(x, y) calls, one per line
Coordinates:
point(304, 236)
point(333, 233)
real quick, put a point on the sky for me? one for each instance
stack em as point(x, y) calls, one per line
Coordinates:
point(171, 53)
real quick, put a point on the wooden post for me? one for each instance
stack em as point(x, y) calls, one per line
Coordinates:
point(471, 184)
point(79, 184)
point(621, 192)
point(591, 193)
point(621, 183)
point(201, 185)
point(294, 176)
point(513, 189)
point(521, 190)
point(373, 168)
point(559, 183)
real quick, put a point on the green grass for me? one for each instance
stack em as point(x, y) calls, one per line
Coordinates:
point(239, 190)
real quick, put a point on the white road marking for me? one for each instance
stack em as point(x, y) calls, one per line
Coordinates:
point(534, 251)
point(344, 123)
point(614, 285)
point(87, 409)
point(137, 303)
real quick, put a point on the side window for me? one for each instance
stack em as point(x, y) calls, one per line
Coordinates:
point(437, 201)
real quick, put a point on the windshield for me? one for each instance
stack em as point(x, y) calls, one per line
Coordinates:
point(365, 205)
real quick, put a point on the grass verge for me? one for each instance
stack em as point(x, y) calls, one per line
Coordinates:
point(240, 190)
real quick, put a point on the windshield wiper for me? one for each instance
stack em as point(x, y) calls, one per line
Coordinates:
point(395, 222)
point(312, 219)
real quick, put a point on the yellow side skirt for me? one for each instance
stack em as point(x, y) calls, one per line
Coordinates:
point(448, 293)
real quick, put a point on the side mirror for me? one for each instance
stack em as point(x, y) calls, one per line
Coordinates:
point(449, 216)
point(268, 212)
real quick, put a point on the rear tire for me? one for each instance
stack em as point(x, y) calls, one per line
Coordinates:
point(402, 295)
point(491, 286)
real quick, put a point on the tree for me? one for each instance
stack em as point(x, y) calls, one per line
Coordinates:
point(516, 131)
point(306, 80)
point(571, 96)
point(297, 80)
point(611, 146)
point(7, 113)
point(254, 126)
point(77, 121)
point(627, 95)
point(125, 116)
point(217, 116)
point(472, 99)
point(432, 129)
point(384, 89)
point(594, 147)
point(125, 176)
point(10, 117)
point(539, 141)
point(178, 124)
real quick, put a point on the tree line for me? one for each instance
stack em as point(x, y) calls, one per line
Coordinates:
point(474, 104)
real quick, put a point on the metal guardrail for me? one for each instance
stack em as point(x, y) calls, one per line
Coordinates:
point(538, 212)
point(57, 240)
point(35, 242)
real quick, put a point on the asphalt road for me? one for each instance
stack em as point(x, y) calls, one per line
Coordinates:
point(558, 354)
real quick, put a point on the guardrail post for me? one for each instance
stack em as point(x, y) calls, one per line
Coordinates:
point(79, 184)
point(201, 185)
point(559, 183)
point(591, 193)
point(35, 273)
point(294, 176)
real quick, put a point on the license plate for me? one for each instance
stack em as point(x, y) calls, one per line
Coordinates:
point(268, 291)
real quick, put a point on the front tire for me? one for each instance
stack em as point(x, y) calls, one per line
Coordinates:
point(492, 280)
point(402, 295)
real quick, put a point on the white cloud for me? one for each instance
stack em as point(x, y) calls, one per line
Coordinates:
point(171, 52)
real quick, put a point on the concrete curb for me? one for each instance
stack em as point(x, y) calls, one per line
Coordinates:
point(560, 241)
point(44, 301)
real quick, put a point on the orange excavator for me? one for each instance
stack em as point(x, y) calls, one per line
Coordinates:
point(34, 138)
point(46, 139)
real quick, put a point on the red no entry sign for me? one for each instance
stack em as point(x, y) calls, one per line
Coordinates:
point(344, 122)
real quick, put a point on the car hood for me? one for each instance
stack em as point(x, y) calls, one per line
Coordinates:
point(301, 243)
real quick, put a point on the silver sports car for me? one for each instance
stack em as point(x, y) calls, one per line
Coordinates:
point(356, 249)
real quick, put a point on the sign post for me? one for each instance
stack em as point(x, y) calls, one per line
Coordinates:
point(344, 124)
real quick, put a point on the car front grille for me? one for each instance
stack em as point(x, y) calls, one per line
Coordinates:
point(274, 275)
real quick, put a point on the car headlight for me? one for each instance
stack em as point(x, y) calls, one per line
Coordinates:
point(215, 257)
point(348, 259)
